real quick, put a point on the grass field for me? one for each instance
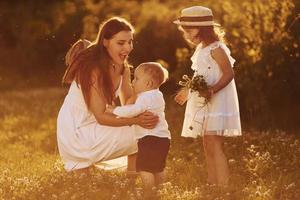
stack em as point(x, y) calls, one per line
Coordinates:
point(264, 165)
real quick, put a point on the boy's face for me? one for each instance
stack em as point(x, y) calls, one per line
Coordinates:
point(141, 82)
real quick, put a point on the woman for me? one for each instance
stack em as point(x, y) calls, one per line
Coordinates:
point(98, 73)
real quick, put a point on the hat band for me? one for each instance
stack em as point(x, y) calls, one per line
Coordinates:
point(196, 19)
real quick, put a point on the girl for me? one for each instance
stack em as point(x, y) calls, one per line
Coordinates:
point(220, 117)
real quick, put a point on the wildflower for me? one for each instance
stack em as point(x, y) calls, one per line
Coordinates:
point(231, 161)
point(196, 84)
point(257, 193)
point(292, 185)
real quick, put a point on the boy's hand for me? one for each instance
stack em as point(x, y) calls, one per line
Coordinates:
point(181, 96)
point(110, 108)
point(131, 99)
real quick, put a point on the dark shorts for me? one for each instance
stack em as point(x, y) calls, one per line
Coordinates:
point(152, 154)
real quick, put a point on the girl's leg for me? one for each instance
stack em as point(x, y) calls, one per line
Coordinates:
point(159, 178)
point(210, 165)
point(148, 180)
point(221, 162)
point(215, 152)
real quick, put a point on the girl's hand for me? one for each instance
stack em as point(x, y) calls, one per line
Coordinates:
point(208, 94)
point(181, 96)
point(147, 120)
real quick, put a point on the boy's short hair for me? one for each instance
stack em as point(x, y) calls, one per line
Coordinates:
point(157, 72)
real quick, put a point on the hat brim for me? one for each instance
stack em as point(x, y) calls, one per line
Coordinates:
point(205, 23)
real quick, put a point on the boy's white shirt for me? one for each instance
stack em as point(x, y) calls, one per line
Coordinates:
point(152, 101)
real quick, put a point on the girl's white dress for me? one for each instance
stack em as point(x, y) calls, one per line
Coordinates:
point(82, 141)
point(221, 116)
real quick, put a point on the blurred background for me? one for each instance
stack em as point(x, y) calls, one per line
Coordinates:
point(263, 36)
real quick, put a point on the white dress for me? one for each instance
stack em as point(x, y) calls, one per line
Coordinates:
point(221, 115)
point(82, 141)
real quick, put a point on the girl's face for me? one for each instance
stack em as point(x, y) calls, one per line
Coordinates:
point(141, 81)
point(191, 34)
point(119, 46)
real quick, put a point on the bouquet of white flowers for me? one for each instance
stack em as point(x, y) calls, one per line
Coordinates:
point(197, 84)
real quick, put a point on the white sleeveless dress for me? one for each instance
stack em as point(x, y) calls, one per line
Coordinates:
point(82, 141)
point(221, 116)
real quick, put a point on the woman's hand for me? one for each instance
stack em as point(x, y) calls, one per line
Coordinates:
point(181, 96)
point(147, 120)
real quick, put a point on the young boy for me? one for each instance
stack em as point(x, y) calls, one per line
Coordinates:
point(153, 144)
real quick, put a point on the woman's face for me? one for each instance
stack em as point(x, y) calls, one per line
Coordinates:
point(191, 34)
point(119, 46)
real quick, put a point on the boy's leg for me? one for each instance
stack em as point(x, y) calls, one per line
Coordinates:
point(159, 178)
point(148, 180)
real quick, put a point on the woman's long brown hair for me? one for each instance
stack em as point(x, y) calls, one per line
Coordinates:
point(83, 63)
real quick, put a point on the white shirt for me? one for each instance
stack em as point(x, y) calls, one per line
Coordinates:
point(152, 101)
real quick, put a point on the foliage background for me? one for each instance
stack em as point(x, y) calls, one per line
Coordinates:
point(262, 34)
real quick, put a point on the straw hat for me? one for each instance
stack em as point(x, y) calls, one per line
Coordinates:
point(196, 16)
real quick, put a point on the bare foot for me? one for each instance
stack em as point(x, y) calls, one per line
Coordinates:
point(82, 172)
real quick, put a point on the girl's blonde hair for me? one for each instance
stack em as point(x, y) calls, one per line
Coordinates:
point(207, 34)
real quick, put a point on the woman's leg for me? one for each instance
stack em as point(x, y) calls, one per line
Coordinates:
point(82, 172)
point(131, 166)
point(131, 159)
point(217, 158)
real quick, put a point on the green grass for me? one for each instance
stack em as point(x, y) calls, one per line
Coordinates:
point(264, 165)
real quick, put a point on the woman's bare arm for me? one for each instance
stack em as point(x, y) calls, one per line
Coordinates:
point(98, 107)
point(126, 88)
